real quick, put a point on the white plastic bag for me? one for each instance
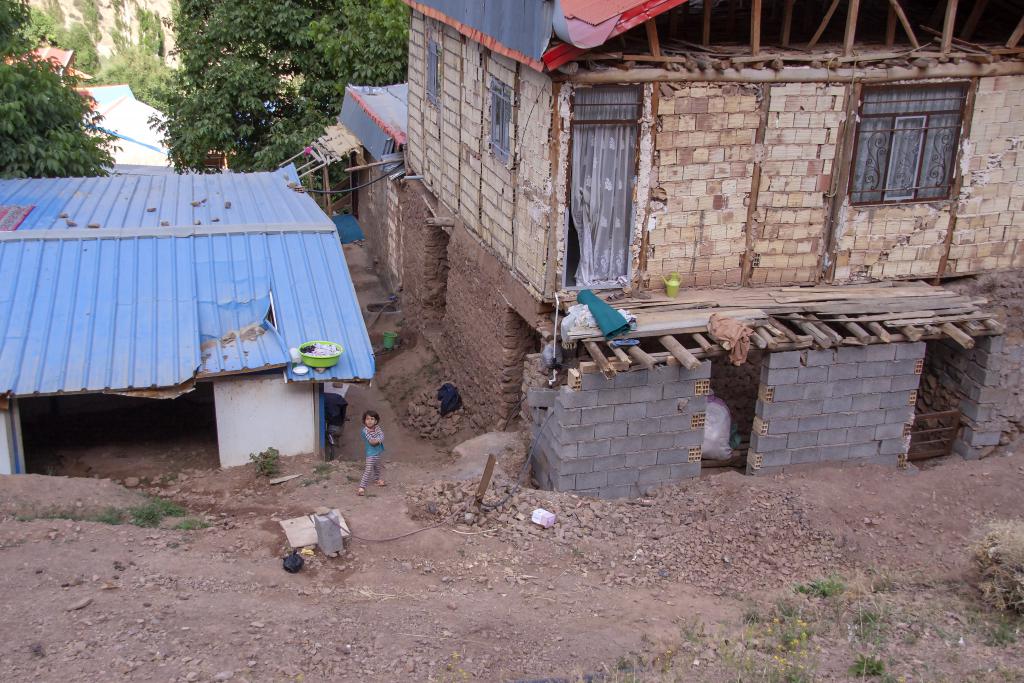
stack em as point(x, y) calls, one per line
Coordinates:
point(717, 429)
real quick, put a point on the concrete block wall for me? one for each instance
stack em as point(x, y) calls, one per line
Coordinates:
point(969, 380)
point(617, 437)
point(848, 404)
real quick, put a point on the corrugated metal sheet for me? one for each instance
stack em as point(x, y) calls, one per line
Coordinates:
point(378, 116)
point(110, 312)
point(520, 29)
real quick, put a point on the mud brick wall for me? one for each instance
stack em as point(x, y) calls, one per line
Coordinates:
point(705, 158)
point(616, 437)
point(378, 211)
point(424, 261)
point(990, 216)
point(969, 380)
point(848, 404)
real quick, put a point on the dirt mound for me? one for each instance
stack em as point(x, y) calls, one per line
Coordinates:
point(713, 534)
point(423, 415)
point(36, 495)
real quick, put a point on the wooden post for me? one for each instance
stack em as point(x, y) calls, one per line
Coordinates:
point(755, 27)
point(652, 37)
point(890, 27)
point(787, 23)
point(958, 181)
point(851, 27)
point(1017, 34)
point(947, 26)
point(679, 352)
point(485, 480)
point(973, 18)
point(824, 24)
point(602, 360)
point(747, 265)
point(956, 334)
point(901, 15)
point(327, 191)
point(705, 36)
point(637, 354)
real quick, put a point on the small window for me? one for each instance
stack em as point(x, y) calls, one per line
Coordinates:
point(906, 143)
point(433, 72)
point(501, 119)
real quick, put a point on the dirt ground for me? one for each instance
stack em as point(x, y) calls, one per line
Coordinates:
point(860, 573)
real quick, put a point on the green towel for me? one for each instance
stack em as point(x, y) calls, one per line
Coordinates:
point(610, 321)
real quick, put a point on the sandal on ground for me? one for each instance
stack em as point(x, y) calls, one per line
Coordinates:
point(381, 482)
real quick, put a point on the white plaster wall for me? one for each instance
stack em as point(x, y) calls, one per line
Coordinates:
point(254, 414)
point(11, 458)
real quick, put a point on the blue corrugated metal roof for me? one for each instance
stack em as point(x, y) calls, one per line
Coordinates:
point(377, 115)
point(520, 25)
point(126, 308)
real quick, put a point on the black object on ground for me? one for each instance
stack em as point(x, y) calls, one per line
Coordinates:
point(293, 563)
point(449, 397)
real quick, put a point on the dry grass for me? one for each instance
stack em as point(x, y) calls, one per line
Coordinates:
point(1000, 556)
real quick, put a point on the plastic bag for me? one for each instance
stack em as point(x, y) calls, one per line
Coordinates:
point(293, 563)
point(449, 397)
point(717, 430)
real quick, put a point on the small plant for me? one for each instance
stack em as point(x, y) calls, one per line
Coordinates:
point(1002, 633)
point(110, 515)
point(1000, 557)
point(822, 588)
point(191, 524)
point(869, 624)
point(268, 462)
point(866, 665)
point(153, 512)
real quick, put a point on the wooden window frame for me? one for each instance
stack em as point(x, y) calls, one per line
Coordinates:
point(434, 80)
point(502, 102)
point(957, 129)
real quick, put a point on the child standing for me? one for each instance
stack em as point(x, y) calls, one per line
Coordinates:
point(373, 438)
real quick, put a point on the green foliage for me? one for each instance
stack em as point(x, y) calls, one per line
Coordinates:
point(268, 462)
point(822, 588)
point(110, 515)
point(367, 41)
point(151, 33)
point(259, 79)
point(90, 10)
point(866, 665)
point(40, 28)
point(44, 124)
point(78, 38)
point(150, 79)
point(191, 524)
point(153, 512)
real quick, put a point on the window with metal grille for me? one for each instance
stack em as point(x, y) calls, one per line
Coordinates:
point(906, 143)
point(433, 72)
point(501, 119)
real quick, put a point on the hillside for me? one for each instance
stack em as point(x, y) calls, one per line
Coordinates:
point(112, 21)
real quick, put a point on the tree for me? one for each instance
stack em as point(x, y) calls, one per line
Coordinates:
point(46, 128)
point(256, 80)
point(77, 38)
point(150, 79)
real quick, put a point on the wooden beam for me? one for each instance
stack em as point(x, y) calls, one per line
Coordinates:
point(947, 26)
point(602, 360)
point(912, 333)
point(880, 332)
point(1017, 34)
point(701, 341)
point(485, 480)
point(890, 27)
point(620, 354)
point(637, 354)
point(705, 36)
point(787, 23)
point(956, 334)
point(652, 37)
point(973, 18)
point(902, 16)
point(824, 24)
point(851, 27)
point(679, 352)
point(755, 27)
point(747, 264)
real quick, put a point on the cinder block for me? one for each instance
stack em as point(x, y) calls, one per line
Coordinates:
point(978, 412)
point(678, 389)
point(813, 374)
point(663, 374)
point(623, 446)
point(624, 476)
point(703, 372)
point(880, 352)
point(653, 474)
point(614, 396)
point(894, 399)
point(630, 411)
point(657, 441)
point(609, 462)
point(687, 439)
point(541, 398)
point(835, 452)
point(876, 385)
point(913, 350)
point(965, 450)
point(900, 416)
point(593, 381)
point(567, 417)
point(802, 439)
point(768, 444)
point(876, 369)
point(799, 456)
point(591, 480)
point(837, 404)
point(904, 382)
point(863, 450)
point(607, 430)
point(646, 393)
point(673, 456)
point(893, 446)
point(686, 470)
point(981, 394)
point(641, 459)
point(577, 466)
point(976, 438)
point(842, 420)
point(643, 427)
point(903, 367)
point(565, 482)
point(860, 434)
point(613, 492)
point(984, 376)
point(868, 402)
point(680, 422)
point(784, 359)
point(776, 459)
point(888, 431)
point(596, 415)
point(590, 449)
point(832, 437)
point(771, 411)
point(813, 423)
point(850, 387)
point(664, 407)
point(789, 392)
point(851, 354)
point(819, 357)
point(784, 426)
point(870, 418)
point(844, 371)
point(776, 376)
point(567, 398)
point(633, 378)
point(820, 390)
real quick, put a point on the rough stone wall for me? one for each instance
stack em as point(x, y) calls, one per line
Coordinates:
point(377, 205)
point(990, 216)
point(617, 437)
point(705, 158)
point(848, 404)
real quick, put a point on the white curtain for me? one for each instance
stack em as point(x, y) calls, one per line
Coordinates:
point(906, 142)
point(603, 174)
